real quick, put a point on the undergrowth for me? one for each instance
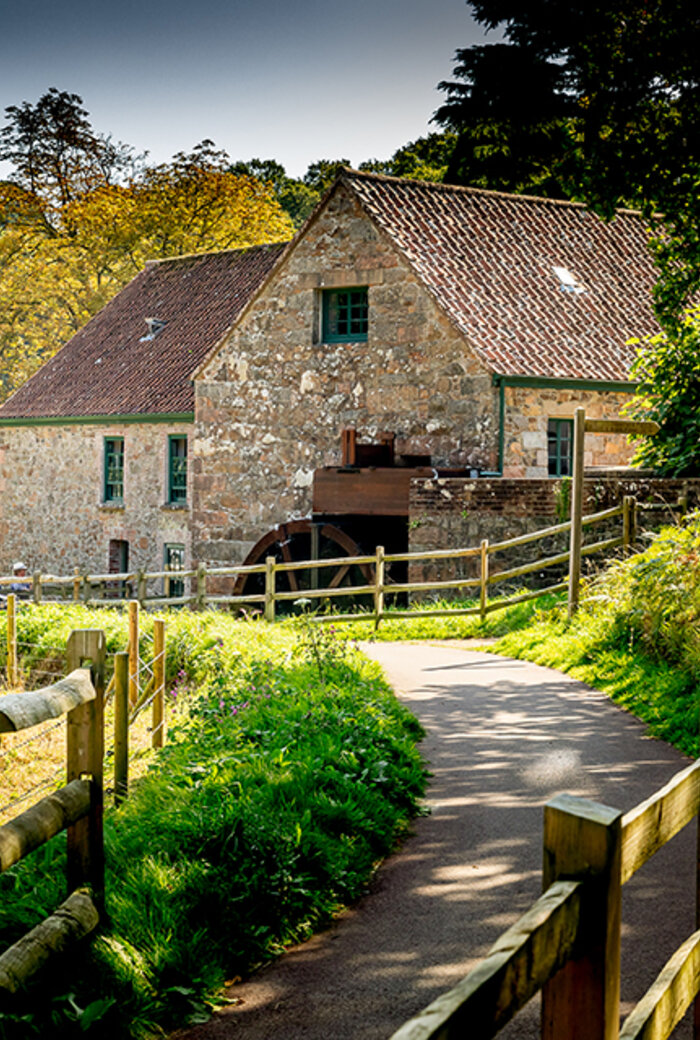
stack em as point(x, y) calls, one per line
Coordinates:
point(636, 635)
point(291, 771)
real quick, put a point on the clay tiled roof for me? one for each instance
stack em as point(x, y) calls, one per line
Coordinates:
point(108, 368)
point(489, 260)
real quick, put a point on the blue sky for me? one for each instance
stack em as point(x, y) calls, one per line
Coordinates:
point(294, 81)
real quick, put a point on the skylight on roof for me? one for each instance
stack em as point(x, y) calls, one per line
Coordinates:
point(567, 281)
point(154, 326)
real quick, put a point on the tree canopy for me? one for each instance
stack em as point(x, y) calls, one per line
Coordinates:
point(80, 216)
point(668, 370)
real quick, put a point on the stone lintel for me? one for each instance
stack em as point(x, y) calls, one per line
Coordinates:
point(340, 278)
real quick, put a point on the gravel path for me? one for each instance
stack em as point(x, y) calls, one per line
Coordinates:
point(502, 738)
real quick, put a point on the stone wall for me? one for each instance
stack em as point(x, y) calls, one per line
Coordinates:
point(451, 513)
point(52, 514)
point(271, 405)
point(527, 410)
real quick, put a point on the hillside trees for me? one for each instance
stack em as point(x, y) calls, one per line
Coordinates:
point(425, 159)
point(80, 216)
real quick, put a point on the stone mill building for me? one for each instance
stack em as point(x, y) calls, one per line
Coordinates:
point(454, 329)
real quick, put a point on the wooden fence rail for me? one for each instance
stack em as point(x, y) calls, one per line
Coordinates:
point(132, 691)
point(132, 587)
point(568, 943)
point(75, 807)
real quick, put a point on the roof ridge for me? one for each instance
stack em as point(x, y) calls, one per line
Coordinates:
point(352, 174)
point(214, 252)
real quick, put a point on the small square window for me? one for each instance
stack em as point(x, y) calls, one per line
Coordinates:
point(560, 435)
point(114, 469)
point(345, 315)
point(177, 470)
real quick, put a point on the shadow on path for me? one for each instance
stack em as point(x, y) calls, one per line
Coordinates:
point(502, 738)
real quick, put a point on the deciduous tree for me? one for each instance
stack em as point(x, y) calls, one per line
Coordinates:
point(76, 224)
point(668, 368)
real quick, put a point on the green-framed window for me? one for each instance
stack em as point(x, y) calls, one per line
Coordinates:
point(560, 435)
point(174, 559)
point(177, 469)
point(114, 469)
point(345, 315)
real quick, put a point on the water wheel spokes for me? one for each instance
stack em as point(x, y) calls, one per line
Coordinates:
point(298, 541)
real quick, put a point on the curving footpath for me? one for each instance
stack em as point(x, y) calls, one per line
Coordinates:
point(503, 737)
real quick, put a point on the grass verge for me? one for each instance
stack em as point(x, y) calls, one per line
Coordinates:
point(408, 628)
point(636, 636)
point(291, 771)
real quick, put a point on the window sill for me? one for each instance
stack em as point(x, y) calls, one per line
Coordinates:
point(333, 341)
point(112, 507)
point(176, 507)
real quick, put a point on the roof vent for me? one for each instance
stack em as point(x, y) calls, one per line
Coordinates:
point(154, 327)
point(567, 281)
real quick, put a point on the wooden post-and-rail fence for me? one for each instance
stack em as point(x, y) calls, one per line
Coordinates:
point(76, 807)
point(374, 568)
point(487, 578)
point(568, 943)
point(136, 685)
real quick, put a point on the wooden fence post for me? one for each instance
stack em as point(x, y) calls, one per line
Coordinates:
point(36, 586)
point(133, 652)
point(484, 578)
point(582, 839)
point(201, 586)
point(85, 747)
point(576, 511)
point(379, 569)
point(12, 666)
point(158, 718)
point(141, 587)
point(121, 726)
point(269, 588)
point(626, 522)
point(76, 584)
point(315, 549)
point(633, 522)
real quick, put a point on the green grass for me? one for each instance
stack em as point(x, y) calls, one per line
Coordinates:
point(291, 771)
point(471, 627)
point(636, 636)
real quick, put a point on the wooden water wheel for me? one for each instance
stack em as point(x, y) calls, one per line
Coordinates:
point(300, 540)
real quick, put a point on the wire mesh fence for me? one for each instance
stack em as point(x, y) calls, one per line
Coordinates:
point(33, 766)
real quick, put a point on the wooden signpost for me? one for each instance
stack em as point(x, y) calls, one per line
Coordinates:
point(582, 426)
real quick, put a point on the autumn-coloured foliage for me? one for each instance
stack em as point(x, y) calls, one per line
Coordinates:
point(80, 217)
